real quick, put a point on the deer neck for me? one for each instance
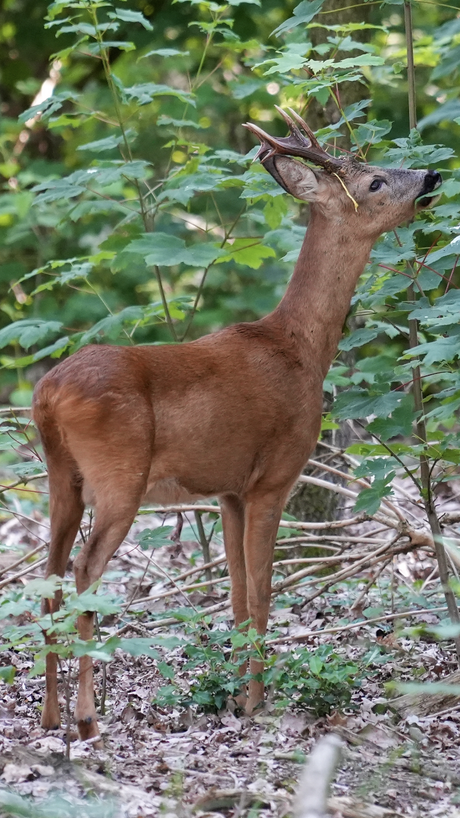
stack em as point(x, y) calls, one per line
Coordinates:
point(315, 305)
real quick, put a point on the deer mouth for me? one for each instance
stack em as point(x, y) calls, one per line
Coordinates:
point(427, 197)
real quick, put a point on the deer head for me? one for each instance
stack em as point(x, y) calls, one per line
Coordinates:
point(343, 189)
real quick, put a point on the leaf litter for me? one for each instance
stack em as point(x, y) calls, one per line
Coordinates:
point(173, 760)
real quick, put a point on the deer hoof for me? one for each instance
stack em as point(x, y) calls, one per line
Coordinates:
point(50, 720)
point(254, 704)
point(88, 730)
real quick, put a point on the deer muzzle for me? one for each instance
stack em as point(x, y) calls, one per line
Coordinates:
point(432, 181)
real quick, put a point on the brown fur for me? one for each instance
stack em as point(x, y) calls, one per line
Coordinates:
point(235, 414)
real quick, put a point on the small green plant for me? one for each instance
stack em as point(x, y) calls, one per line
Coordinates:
point(320, 679)
point(210, 671)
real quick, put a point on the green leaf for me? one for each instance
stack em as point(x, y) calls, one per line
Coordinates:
point(316, 664)
point(168, 250)
point(128, 16)
point(291, 59)
point(245, 86)
point(139, 646)
point(302, 14)
point(98, 206)
point(400, 421)
point(178, 123)
point(359, 403)
point(99, 48)
point(47, 107)
point(8, 609)
point(442, 349)
point(112, 326)
point(274, 211)
point(448, 65)
point(45, 587)
point(447, 111)
point(165, 52)
point(369, 500)
point(28, 331)
point(167, 671)
point(89, 601)
point(7, 674)
point(53, 350)
point(155, 537)
point(100, 145)
point(361, 60)
point(358, 338)
point(146, 92)
point(248, 252)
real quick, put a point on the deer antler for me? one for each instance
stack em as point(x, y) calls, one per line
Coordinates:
point(296, 144)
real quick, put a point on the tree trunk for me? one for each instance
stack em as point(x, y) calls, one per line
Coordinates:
point(310, 503)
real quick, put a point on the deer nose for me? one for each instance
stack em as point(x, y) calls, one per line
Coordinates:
point(432, 180)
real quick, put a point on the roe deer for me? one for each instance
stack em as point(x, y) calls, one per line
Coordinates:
point(235, 414)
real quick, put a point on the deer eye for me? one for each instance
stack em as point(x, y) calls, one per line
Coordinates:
point(376, 184)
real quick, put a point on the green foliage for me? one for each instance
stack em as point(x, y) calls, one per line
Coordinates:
point(209, 674)
point(320, 680)
point(131, 212)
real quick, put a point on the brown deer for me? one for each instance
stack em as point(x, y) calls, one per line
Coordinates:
point(235, 414)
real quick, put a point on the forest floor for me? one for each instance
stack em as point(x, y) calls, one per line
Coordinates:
point(174, 760)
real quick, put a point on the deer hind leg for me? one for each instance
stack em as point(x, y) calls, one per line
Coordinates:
point(66, 511)
point(118, 492)
point(233, 527)
point(262, 516)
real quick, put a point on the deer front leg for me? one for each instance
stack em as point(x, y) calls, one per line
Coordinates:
point(233, 527)
point(262, 516)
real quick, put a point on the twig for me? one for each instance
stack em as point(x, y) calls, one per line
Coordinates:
point(301, 526)
point(299, 637)
point(204, 545)
point(339, 576)
point(23, 482)
point(23, 573)
point(350, 479)
point(368, 585)
point(19, 516)
point(22, 559)
point(315, 563)
point(177, 590)
point(11, 410)
point(321, 540)
point(173, 620)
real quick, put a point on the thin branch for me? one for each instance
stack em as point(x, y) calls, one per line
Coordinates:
point(24, 572)
point(299, 637)
point(22, 559)
point(164, 302)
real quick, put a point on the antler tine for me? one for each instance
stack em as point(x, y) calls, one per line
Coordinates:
point(307, 130)
point(268, 146)
point(290, 122)
point(301, 143)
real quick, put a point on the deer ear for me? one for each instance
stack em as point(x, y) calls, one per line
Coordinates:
point(296, 178)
